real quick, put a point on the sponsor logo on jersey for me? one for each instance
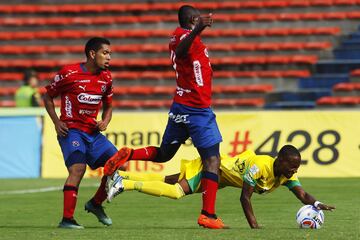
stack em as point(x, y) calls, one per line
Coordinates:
point(68, 107)
point(103, 88)
point(197, 72)
point(178, 118)
point(87, 112)
point(173, 39)
point(75, 143)
point(89, 98)
point(82, 81)
point(180, 91)
point(254, 169)
point(83, 87)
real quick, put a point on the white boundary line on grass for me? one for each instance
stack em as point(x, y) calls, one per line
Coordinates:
point(39, 190)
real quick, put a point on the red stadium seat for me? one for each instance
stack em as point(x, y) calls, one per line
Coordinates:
point(326, 31)
point(295, 73)
point(348, 100)
point(139, 90)
point(277, 32)
point(269, 74)
point(289, 16)
point(299, 3)
point(347, 86)
point(355, 73)
point(278, 59)
point(7, 91)
point(268, 46)
point(258, 88)
point(11, 76)
point(7, 103)
point(317, 45)
point(353, 15)
point(253, 32)
point(252, 4)
point(335, 15)
point(275, 4)
point(163, 90)
point(229, 89)
point(344, 2)
point(311, 16)
point(242, 17)
point(291, 45)
point(304, 59)
point(250, 102)
point(266, 17)
point(325, 3)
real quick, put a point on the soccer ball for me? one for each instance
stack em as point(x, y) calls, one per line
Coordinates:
point(310, 217)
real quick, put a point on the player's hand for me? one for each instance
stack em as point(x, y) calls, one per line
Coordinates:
point(61, 128)
point(203, 22)
point(325, 207)
point(101, 125)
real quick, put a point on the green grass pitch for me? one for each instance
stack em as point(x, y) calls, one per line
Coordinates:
point(139, 216)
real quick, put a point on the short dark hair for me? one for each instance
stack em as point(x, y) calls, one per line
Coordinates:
point(184, 14)
point(95, 44)
point(289, 150)
point(29, 73)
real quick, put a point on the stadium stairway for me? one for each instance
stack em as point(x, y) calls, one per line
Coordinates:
point(259, 49)
point(329, 85)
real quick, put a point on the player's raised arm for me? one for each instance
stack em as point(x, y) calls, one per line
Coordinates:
point(246, 193)
point(189, 18)
point(307, 199)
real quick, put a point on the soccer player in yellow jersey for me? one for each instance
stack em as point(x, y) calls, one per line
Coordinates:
point(253, 173)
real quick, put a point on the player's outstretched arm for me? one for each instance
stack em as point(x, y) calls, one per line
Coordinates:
point(245, 197)
point(306, 198)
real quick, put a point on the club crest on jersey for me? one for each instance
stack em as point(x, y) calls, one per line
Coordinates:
point(75, 143)
point(89, 98)
point(103, 88)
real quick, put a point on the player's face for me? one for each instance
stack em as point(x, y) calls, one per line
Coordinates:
point(290, 166)
point(102, 57)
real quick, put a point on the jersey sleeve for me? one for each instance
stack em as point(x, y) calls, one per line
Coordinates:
point(176, 39)
point(292, 182)
point(108, 94)
point(59, 84)
point(252, 174)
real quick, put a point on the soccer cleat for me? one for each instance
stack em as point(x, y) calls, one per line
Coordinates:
point(114, 186)
point(70, 224)
point(213, 223)
point(117, 161)
point(98, 211)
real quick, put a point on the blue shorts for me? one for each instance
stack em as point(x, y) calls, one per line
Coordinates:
point(197, 123)
point(96, 148)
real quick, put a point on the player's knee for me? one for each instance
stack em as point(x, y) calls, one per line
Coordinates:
point(77, 170)
point(211, 164)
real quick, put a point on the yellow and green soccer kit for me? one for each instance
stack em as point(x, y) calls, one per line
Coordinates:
point(255, 170)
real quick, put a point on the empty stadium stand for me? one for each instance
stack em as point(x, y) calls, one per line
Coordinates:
point(270, 54)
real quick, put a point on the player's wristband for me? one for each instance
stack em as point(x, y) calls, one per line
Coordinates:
point(316, 203)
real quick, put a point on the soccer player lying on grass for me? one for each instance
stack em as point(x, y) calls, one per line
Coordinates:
point(251, 172)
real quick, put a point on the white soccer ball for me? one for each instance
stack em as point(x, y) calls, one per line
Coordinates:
point(310, 217)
